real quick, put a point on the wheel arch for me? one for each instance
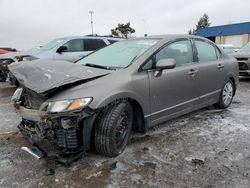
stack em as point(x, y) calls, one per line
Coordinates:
point(139, 108)
point(140, 124)
point(233, 78)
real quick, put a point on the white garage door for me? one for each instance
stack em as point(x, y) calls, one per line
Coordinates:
point(236, 40)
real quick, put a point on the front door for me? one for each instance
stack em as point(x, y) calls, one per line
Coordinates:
point(174, 91)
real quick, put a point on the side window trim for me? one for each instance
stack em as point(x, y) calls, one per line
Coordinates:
point(219, 51)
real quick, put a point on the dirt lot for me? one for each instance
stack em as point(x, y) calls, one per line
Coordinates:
point(207, 148)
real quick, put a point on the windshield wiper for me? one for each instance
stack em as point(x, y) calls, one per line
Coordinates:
point(99, 66)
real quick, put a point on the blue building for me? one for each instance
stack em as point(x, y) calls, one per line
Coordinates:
point(235, 34)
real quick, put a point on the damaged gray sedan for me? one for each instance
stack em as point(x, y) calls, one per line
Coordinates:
point(130, 85)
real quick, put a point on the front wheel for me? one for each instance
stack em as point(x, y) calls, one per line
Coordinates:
point(226, 96)
point(113, 129)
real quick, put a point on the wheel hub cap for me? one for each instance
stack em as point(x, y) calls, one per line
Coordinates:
point(122, 128)
point(227, 93)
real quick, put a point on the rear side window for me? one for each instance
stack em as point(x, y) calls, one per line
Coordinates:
point(206, 52)
point(181, 51)
point(93, 44)
point(75, 45)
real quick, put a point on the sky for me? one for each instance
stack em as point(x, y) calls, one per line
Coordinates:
point(29, 23)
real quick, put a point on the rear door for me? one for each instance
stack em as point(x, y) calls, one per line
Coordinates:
point(93, 45)
point(211, 71)
point(174, 91)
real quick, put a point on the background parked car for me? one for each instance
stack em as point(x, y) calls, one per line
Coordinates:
point(243, 58)
point(229, 48)
point(8, 49)
point(4, 51)
point(68, 48)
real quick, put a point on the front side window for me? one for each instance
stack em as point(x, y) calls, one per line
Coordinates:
point(206, 52)
point(93, 44)
point(75, 45)
point(120, 54)
point(180, 51)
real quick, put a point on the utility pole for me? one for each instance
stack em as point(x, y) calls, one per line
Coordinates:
point(91, 12)
point(145, 29)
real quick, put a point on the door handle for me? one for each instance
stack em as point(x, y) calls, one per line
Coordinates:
point(220, 66)
point(192, 72)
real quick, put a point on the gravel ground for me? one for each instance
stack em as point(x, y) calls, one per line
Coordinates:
point(207, 148)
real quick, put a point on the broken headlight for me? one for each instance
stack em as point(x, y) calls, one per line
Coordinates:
point(67, 105)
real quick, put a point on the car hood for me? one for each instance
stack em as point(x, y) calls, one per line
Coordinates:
point(44, 76)
point(240, 54)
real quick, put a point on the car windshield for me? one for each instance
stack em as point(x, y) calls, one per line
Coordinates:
point(51, 44)
point(118, 55)
point(245, 48)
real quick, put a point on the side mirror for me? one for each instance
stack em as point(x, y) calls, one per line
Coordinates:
point(167, 63)
point(62, 49)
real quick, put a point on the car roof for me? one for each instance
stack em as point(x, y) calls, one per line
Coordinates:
point(89, 37)
point(170, 37)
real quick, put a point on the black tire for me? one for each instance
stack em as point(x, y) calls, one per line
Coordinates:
point(222, 104)
point(113, 129)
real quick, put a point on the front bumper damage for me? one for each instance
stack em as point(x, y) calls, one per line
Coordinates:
point(69, 133)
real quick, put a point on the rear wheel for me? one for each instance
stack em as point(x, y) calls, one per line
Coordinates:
point(226, 95)
point(113, 129)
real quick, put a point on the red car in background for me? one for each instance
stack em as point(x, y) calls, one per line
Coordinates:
point(4, 51)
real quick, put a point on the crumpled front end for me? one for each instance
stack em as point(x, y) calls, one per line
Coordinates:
point(68, 131)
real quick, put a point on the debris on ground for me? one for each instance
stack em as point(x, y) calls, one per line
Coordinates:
point(5, 162)
point(145, 149)
point(198, 162)
point(94, 175)
point(148, 164)
point(113, 166)
point(222, 151)
point(49, 172)
point(8, 133)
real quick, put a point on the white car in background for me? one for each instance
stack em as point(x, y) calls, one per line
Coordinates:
point(68, 48)
point(229, 48)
